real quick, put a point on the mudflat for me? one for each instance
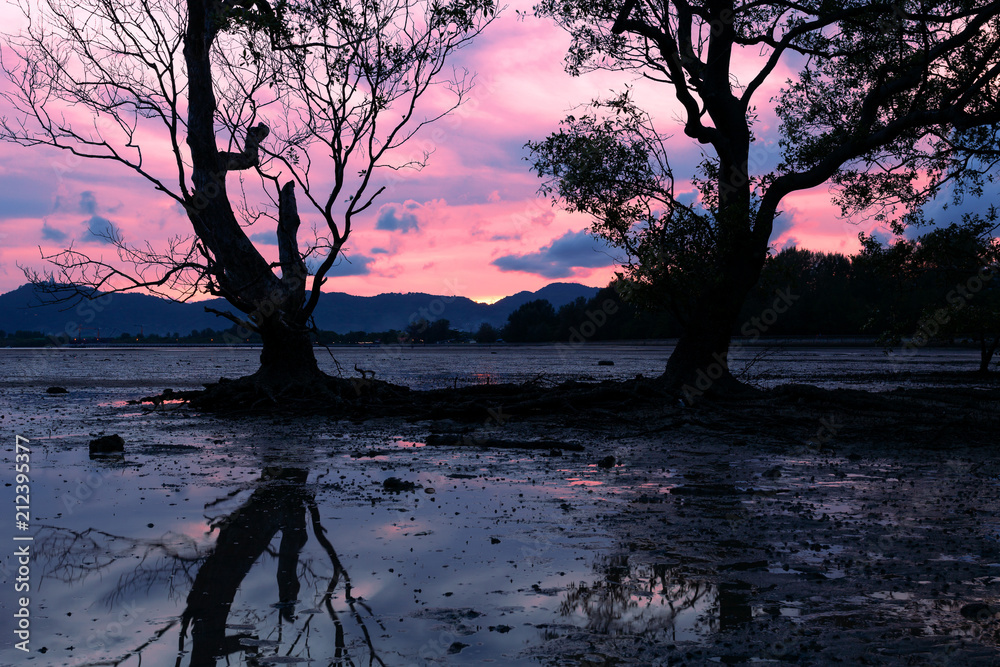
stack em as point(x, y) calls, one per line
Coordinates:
point(796, 526)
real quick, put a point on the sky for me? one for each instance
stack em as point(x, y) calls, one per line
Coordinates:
point(471, 223)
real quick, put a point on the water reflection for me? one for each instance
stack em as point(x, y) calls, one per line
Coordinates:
point(281, 502)
point(657, 601)
point(212, 578)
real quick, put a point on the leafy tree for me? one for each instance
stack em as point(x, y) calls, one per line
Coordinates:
point(954, 272)
point(338, 82)
point(532, 322)
point(830, 300)
point(487, 333)
point(570, 315)
point(439, 331)
point(892, 102)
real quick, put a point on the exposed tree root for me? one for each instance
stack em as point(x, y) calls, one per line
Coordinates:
point(317, 394)
point(797, 415)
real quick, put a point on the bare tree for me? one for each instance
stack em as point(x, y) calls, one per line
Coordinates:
point(893, 102)
point(313, 95)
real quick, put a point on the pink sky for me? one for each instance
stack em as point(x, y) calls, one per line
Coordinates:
point(441, 229)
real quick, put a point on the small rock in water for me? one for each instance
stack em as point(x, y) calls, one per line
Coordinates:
point(605, 362)
point(56, 390)
point(107, 444)
point(773, 473)
point(606, 462)
point(396, 485)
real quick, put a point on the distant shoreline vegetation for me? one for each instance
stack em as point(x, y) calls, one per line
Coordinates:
point(34, 340)
point(803, 298)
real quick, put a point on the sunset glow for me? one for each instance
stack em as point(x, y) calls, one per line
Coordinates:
point(470, 223)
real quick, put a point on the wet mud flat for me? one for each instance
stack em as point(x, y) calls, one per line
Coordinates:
point(800, 527)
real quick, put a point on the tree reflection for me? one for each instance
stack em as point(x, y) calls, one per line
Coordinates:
point(650, 599)
point(280, 502)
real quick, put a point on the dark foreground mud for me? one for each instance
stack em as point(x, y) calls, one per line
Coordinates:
point(796, 526)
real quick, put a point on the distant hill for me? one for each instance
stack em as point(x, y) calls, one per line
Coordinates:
point(113, 314)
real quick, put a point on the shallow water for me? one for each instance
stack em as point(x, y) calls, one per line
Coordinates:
point(278, 541)
point(426, 367)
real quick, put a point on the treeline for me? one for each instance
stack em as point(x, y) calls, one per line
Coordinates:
point(800, 293)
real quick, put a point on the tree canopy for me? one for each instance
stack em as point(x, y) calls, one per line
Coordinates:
point(313, 97)
point(892, 103)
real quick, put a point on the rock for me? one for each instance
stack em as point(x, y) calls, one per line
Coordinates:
point(773, 473)
point(606, 462)
point(605, 362)
point(396, 485)
point(456, 647)
point(107, 444)
point(977, 611)
point(56, 390)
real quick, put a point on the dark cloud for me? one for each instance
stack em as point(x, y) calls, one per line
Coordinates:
point(53, 234)
point(559, 259)
point(98, 230)
point(398, 217)
point(379, 251)
point(265, 238)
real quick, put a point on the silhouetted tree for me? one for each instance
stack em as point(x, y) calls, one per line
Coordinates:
point(487, 333)
point(337, 80)
point(954, 274)
point(532, 322)
point(885, 92)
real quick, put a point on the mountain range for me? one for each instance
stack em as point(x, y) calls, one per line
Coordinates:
point(113, 314)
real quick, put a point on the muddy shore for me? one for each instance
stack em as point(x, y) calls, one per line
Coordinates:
point(802, 526)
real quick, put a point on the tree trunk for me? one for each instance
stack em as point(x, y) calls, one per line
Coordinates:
point(287, 357)
point(699, 364)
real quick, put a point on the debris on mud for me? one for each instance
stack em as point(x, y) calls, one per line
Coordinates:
point(107, 444)
point(478, 440)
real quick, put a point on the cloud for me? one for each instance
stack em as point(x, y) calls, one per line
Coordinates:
point(265, 238)
point(559, 259)
point(398, 217)
point(23, 196)
point(88, 202)
point(52, 234)
point(355, 265)
point(379, 251)
point(100, 230)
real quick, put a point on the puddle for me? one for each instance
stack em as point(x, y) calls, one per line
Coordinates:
point(236, 563)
